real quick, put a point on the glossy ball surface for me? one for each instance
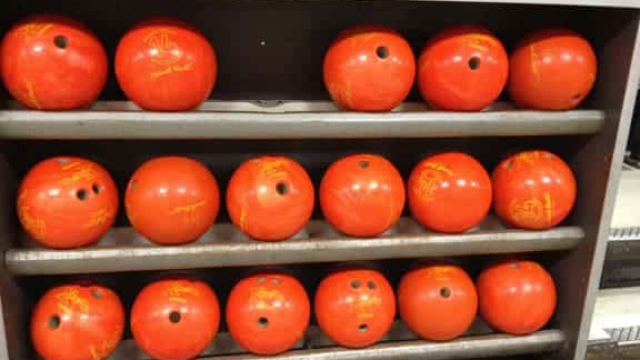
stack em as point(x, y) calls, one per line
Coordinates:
point(166, 65)
point(270, 198)
point(449, 192)
point(552, 69)
point(67, 202)
point(438, 301)
point(369, 68)
point(463, 68)
point(172, 200)
point(77, 321)
point(362, 195)
point(53, 62)
point(175, 318)
point(268, 312)
point(533, 190)
point(517, 297)
point(355, 307)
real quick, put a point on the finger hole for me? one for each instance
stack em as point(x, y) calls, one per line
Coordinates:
point(175, 317)
point(355, 284)
point(263, 322)
point(445, 292)
point(474, 63)
point(54, 322)
point(282, 188)
point(81, 194)
point(97, 294)
point(382, 52)
point(61, 41)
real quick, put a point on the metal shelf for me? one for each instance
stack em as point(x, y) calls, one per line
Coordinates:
point(289, 120)
point(122, 249)
point(464, 348)
point(468, 347)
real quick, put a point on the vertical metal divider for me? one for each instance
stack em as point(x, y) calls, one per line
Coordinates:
point(598, 166)
point(14, 329)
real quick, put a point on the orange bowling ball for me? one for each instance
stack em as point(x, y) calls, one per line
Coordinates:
point(463, 68)
point(552, 69)
point(172, 200)
point(166, 65)
point(53, 62)
point(270, 198)
point(362, 195)
point(268, 312)
point(67, 202)
point(533, 190)
point(175, 318)
point(369, 68)
point(449, 192)
point(89, 314)
point(437, 301)
point(517, 296)
point(355, 307)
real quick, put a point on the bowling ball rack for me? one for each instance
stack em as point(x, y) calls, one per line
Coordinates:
point(270, 99)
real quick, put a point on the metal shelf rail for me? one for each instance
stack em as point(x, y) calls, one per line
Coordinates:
point(400, 343)
point(289, 120)
point(473, 347)
point(124, 250)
